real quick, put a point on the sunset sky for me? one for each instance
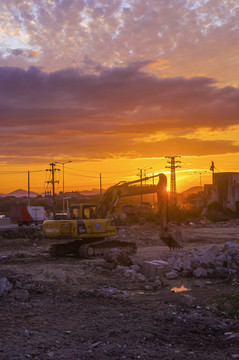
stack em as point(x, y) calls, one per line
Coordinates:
point(115, 86)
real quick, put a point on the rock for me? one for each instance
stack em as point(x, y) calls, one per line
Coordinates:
point(221, 272)
point(171, 275)
point(198, 283)
point(50, 354)
point(26, 332)
point(148, 287)
point(187, 263)
point(229, 262)
point(154, 268)
point(195, 261)
point(5, 286)
point(228, 245)
point(20, 294)
point(185, 273)
point(236, 258)
point(140, 277)
point(222, 259)
point(211, 251)
point(117, 256)
point(200, 272)
point(135, 267)
point(188, 299)
point(232, 272)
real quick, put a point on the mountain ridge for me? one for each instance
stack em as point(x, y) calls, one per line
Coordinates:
point(24, 193)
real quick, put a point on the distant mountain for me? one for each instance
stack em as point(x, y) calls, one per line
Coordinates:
point(90, 192)
point(185, 194)
point(21, 193)
point(192, 190)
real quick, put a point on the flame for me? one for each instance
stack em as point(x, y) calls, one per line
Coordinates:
point(180, 289)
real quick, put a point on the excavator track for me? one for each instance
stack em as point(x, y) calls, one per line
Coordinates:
point(86, 249)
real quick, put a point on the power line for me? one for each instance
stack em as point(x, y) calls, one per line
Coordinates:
point(105, 172)
point(88, 176)
point(19, 172)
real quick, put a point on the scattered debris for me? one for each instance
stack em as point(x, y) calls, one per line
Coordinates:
point(89, 309)
point(210, 262)
point(118, 257)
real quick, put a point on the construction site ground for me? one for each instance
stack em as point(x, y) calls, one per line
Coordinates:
point(69, 308)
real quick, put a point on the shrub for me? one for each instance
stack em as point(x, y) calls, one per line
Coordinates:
point(227, 302)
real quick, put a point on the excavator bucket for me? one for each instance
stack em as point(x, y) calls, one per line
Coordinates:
point(172, 240)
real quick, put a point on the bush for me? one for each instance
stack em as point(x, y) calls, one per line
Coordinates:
point(216, 213)
point(181, 213)
point(217, 216)
point(228, 302)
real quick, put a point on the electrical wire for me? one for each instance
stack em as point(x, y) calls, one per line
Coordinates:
point(97, 172)
point(19, 172)
point(72, 173)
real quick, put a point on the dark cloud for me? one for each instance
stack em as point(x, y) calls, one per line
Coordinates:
point(110, 112)
point(122, 95)
point(30, 54)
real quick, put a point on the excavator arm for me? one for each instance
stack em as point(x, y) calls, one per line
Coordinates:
point(109, 201)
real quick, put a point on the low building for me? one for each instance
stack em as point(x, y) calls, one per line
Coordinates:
point(224, 190)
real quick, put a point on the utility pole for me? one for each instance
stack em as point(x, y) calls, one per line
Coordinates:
point(200, 173)
point(100, 184)
point(28, 186)
point(153, 193)
point(141, 184)
point(63, 181)
point(53, 181)
point(173, 164)
point(212, 168)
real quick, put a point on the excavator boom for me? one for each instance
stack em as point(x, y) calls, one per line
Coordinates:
point(109, 201)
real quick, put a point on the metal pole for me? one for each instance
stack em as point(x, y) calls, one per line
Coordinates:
point(53, 189)
point(28, 180)
point(63, 180)
point(141, 184)
point(100, 185)
point(153, 193)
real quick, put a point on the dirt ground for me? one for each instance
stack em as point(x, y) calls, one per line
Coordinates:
point(76, 309)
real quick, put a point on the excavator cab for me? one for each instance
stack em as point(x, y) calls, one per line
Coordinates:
point(82, 211)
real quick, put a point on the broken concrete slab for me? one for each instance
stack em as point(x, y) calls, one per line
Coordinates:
point(154, 268)
point(200, 272)
point(20, 294)
point(211, 251)
point(171, 275)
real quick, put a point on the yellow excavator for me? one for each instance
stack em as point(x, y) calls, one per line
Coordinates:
point(89, 231)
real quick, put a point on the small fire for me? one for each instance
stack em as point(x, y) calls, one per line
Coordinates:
point(180, 289)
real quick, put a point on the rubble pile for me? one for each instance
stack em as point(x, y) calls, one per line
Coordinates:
point(208, 262)
point(21, 233)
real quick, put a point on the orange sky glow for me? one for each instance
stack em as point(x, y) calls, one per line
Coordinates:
point(115, 86)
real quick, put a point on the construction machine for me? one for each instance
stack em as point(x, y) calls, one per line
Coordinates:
point(89, 230)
